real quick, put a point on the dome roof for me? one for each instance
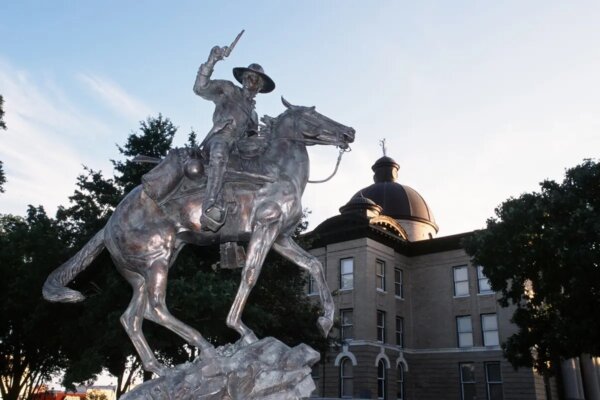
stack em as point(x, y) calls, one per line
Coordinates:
point(398, 201)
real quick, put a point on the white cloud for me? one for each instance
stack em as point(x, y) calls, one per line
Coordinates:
point(116, 97)
point(48, 139)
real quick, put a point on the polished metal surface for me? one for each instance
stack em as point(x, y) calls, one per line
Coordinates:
point(263, 199)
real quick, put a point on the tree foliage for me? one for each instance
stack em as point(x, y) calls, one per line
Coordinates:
point(2, 126)
point(107, 292)
point(31, 330)
point(85, 338)
point(542, 252)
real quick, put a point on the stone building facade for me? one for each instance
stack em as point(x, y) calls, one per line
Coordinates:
point(417, 319)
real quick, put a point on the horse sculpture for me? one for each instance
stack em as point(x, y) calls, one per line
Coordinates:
point(144, 237)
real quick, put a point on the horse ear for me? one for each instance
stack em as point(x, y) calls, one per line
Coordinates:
point(286, 103)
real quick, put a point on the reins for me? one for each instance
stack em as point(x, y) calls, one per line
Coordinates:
point(337, 164)
point(343, 150)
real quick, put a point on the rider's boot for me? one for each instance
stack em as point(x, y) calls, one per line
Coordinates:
point(213, 214)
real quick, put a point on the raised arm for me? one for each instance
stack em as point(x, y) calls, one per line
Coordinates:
point(202, 86)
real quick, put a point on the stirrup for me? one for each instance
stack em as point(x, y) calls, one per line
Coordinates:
point(211, 222)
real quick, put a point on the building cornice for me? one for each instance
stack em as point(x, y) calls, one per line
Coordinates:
point(344, 228)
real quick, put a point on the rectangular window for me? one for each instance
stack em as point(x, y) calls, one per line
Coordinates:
point(483, 282)
point(461, 281)
point(400, 383)
point(493, 378)
point(347, 324)
point(314, 374)
point(346, 273)
point(381, 326)
point(346, 378)
point(489, 328)
point(381, 378)
point(467, 381)
point(464, 329)
point(312, 287)
point(400, 331)
point(380, 274)
point(398, 289)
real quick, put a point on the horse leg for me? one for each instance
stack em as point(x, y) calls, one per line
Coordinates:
point(290, 250)
point(132, 320)
point(157, 311)
point(267, 227)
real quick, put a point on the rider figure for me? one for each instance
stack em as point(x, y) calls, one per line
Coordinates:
point(234, 117)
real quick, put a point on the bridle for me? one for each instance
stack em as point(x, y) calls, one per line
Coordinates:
point(339, 142)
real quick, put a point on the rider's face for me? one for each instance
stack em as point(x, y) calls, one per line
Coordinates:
point(252, 82)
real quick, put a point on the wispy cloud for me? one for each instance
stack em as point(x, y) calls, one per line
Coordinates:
point(49, 137)
point(116, 97)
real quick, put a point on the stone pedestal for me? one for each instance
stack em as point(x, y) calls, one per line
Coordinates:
point(266, 370)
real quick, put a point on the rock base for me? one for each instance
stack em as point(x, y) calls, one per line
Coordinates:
point(266, 370)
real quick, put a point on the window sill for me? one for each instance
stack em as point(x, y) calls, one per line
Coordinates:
point(399, 298)
point(486, 294)
point(462, 296)
point(381, 291)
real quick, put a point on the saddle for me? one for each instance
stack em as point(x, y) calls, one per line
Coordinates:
point(181, 174)
point(167, 177)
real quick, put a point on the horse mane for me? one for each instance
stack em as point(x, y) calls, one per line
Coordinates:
point(269, 123)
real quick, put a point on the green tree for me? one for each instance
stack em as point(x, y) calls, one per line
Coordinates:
point(542, 253)
point(31, 331)
point(2, 126)
point(154, 140)
point(108, 294)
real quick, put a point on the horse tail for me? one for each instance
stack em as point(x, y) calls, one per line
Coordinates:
point(54, 288)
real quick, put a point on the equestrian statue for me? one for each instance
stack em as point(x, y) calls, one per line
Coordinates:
point(244, 184)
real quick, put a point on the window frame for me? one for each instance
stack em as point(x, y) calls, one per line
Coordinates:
point(316, 377)
point(399, 283)
point(464, 382)
point(400, 382)
point(400, 332)
point(489, 383)
point(346, 361)
point(380, 275)
point(459, 332)
point(381, 381)
point(458, 282)
point(311, 289)
point(345, 327)
point(344, 274)
point(481, 277)
point(484, 331)
point(381, 327)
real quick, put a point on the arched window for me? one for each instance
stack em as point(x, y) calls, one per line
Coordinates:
point(400, 382)
point(346, 378)
point(381, 395)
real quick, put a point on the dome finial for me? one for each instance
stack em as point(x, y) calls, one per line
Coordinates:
point(382, 144)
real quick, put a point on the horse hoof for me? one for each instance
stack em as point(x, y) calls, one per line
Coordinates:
point(324, 325)
point(208, 353)
point(249, 338)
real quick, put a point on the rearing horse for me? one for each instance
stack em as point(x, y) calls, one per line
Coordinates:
point(144, 240)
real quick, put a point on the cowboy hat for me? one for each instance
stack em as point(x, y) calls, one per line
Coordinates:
point(267, 83)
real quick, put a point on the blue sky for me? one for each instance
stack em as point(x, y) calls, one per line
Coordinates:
point(478, 101)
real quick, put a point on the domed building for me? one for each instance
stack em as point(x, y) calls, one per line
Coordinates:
point(417, 320)
point(400, 202)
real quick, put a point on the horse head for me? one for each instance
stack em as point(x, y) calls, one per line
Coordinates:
point(316, 128)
